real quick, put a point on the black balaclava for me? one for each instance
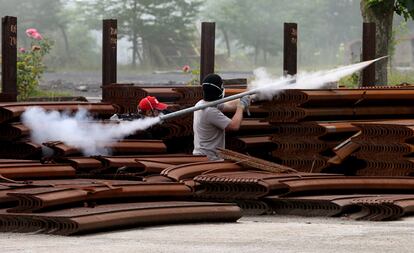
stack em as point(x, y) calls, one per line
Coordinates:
point(212, 87)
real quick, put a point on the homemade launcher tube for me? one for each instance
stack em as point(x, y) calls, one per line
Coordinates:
point(217, 102)
point(252, 91)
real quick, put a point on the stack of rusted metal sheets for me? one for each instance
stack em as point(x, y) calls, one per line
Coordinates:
point(310, 194)
point(308, 146)
point(52, 198)
point(341, 104)
point(14, 142)
point(381, 148)
point(312, 124)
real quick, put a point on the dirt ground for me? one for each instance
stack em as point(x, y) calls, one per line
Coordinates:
point(249, 234)
point(71, 81)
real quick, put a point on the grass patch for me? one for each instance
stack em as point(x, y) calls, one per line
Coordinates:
point(51, 94)
point(397, 78)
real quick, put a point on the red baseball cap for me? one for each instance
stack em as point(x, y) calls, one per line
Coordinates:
point(151, 103)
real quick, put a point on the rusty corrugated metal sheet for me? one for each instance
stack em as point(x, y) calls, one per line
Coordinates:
point(35, 200)
point(10, 111)
point(32, 171)
point(120, 147)
point(190, 170)
point(114, 216)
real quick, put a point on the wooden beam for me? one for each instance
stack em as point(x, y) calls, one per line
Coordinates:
point(9, 58)
point(368, 53)
point(109, 51)
point(207, 49)
point(290, 48)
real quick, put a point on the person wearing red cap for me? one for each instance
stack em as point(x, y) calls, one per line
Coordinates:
point(151, 107)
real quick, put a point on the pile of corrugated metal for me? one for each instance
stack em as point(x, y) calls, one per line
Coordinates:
point(314, 126)
point(362, 137)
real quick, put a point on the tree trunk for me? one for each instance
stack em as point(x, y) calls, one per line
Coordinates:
point(381, 14)
point(134, 49)
point(227, 41)
point(256, 54)
point(65, 39)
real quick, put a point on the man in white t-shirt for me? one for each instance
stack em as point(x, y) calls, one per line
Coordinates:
point(210, 124)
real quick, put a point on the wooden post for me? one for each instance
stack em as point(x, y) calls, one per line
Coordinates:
point(207, 49)
point(9, 58)
point(290, 48)
point(109, 46)
point(368, 53)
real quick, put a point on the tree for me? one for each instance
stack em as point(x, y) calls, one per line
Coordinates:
point(381, 12)
point(156, 28)
point(257, 26)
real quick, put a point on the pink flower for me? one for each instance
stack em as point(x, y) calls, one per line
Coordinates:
point(30, 32)
point(186, 68)
point(22, 50)
point(37, 36)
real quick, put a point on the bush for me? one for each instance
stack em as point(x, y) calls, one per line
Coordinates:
point(30, 67)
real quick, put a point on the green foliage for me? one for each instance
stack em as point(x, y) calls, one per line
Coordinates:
point(256, 27)
point(50, 94)
point(160, 31)
point(30, 67)
point(195, 74)
point(351, 81)
point(404, 8)
point(401, 78)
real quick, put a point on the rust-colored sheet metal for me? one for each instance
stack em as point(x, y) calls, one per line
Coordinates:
point(245, 184)
point(32, 171)
point(250, 143)
point(120, 147)
point(291, 114)
point(183, 126)
point(387, 167)
point(382, 150)
point(253, 162)
point(157, 179)
point(35, 200)
point(13, 131)
point(319, 205)
point(20, 150)
point(19, 161)
point(253, 185)
point(311, 163)
point(301, 147)
point(254, 126)
point(344, 150)
point(386, 131)
point(313, 129)
point(253, 207)
point(76, 183)
point(344, 97)
point(378, 208)
point(10, 111)
point(139, 147)
point(81, 164)
point(110, 162)
point(354, 185)
point(190, 170)
point(84, 220)
point(178, 127)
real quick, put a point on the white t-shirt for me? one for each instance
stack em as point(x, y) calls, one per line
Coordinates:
point(209, 130)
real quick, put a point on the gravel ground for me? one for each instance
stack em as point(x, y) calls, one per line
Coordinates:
point(250, 234)
point(71, 81)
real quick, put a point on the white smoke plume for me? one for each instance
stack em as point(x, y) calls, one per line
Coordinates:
point(79, 130)
point(268, 86)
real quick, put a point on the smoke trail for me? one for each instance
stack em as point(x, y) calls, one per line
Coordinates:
point(268, 86)
point(79, 130)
